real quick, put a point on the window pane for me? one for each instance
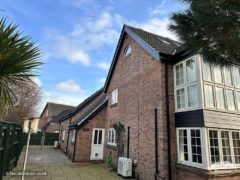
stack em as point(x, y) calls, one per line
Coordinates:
point(100, 137)
point(236, 146)
point(109, 135)
point(180, 98)
point(114, 96)
point(196, 146)
point(238, 99)
point(218, 74)
point(220, 98)
point(227, 76)
point(208, 91)
point(113, 136)
point(226, 147)
point(214, 147)
point(179, 74)
point(230, 100)
point(183, 146)
point(191, 70)
point(207, 74)
point(236, 74)
point(193, 96)
point(95, 136)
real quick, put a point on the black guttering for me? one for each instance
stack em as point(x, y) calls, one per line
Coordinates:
point(82, 105)
point(156, 144)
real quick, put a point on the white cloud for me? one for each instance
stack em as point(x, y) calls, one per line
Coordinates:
point(158, 10)
point(102, 81)
point(69, 86)
point(103, 65)
point(158, 26)
point(37, 81)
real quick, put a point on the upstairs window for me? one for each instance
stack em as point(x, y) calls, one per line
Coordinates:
point(207, 71)
point(114, 96)
point(73, 135)
point(228, 76)
point(112, 136)
point(63, 135)
point(186, 84)
point(236, 75)
point(127, 51)
point(218, 74)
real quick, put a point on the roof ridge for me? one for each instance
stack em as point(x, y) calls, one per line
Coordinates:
point(166, 38)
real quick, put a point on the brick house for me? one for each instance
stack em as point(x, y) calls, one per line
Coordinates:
point(50, 111)
point(180, 113)
point(81, 125)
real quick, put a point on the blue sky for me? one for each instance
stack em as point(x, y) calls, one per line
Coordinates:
point(78, 38)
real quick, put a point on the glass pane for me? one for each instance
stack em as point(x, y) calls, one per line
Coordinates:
point(214, 148)
point(208, 91)
point(238, 99)
point(207, 74)
point(230, 100)
point(179, 74)
point(100, 137)
point(193, 96)
point(196, 146)
point(180, 98)
point(95, 136)
point(226, 147)
point(236, 146)
point(236, 75)
point(191, 70)
point(218, 74)
point(183, 146)
point(220, 98)
point(227, 76)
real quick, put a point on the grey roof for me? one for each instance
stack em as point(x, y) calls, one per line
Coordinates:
point(92, 109)
point(60, 115)
point(161, 44)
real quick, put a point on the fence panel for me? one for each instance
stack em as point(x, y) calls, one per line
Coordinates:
point(10, 145)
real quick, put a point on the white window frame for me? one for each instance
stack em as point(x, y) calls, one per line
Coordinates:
point(114, 96)
point(63, 134)
point(186, 84)
point(190, 161)
point(221, 165)
point(110, 132)
point(127, 51)
point(223, 85)
point(74, 131)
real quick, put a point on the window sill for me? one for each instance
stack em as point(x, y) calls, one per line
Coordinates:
point(114, 147)
point(113, 105)
point(209, 173)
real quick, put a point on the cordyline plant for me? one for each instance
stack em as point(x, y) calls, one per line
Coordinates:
point(18, 58)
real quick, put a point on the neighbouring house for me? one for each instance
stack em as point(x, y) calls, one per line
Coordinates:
point(180, 113)
point(78, 126)
point(50, 111)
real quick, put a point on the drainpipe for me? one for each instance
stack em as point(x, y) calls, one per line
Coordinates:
point(74, 149)
point(128, 141)
point(168, 119)
point(156, 144)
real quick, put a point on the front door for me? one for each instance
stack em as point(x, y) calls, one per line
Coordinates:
point(97, 144)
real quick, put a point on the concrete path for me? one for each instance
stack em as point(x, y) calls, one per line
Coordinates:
point(54, 165)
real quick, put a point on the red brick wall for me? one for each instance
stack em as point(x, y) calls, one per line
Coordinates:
point(64, 126)
point(140, 82)
point(84, 138)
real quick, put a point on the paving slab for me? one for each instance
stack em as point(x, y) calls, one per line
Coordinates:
point(52, 164)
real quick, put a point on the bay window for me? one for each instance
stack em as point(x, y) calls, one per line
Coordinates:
point(186, 84)
point(236, 146)
point(190, 146)
point(220, 87)
point(214, 147)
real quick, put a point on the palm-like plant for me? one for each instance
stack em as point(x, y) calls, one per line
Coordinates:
point(18, 60)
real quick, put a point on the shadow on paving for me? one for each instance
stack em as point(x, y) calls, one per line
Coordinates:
point(55, 164)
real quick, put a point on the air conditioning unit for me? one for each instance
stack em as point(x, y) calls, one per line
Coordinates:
point(125, 167)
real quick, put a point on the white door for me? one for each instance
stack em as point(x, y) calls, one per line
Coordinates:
point(97, 144)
